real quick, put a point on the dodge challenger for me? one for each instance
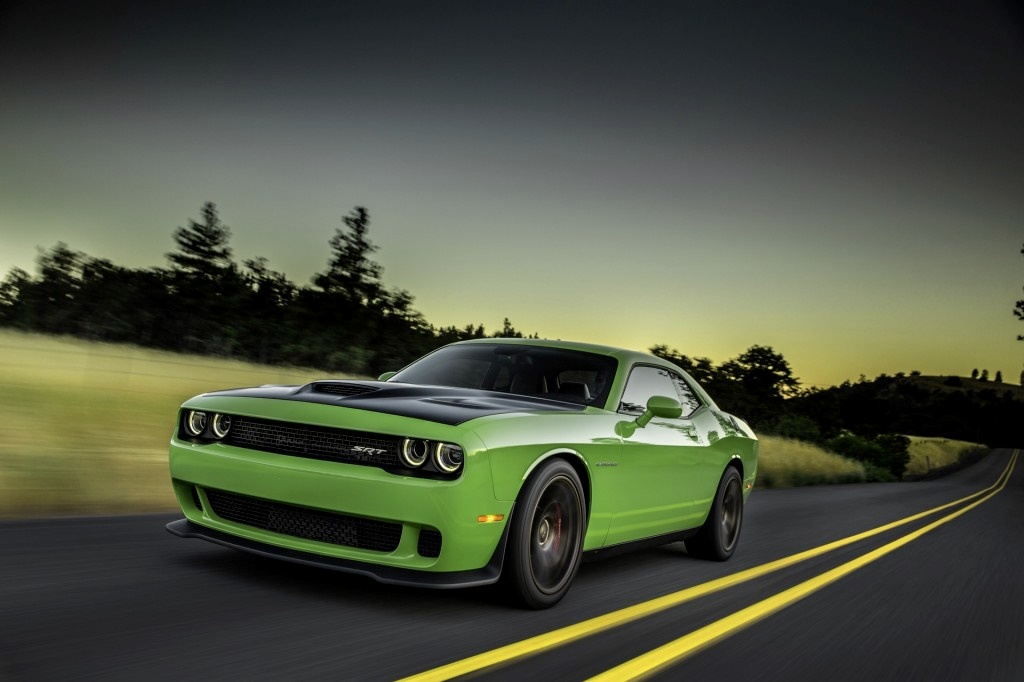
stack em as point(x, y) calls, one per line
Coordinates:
point(485, 460)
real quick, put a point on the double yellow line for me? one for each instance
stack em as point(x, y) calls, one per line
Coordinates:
point(695, 641)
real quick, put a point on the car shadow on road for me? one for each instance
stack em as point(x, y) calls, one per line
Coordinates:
point(322, 584)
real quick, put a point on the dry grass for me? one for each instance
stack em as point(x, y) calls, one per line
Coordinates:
point(928, 454)
point(784, 462)
point(85, 425)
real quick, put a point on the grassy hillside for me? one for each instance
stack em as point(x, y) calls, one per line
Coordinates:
point(784, 462)
point(85, 426)
point(929, 454)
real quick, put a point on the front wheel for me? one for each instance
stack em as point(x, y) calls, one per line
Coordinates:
point(718, 537)
point(546, 536)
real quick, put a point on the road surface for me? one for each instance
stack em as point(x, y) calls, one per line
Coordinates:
point(119, 598)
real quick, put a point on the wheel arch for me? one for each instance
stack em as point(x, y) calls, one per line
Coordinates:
point(573, 459)
point(736, 462)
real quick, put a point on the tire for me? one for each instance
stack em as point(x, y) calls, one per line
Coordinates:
point(546, 536)
point(717, 538)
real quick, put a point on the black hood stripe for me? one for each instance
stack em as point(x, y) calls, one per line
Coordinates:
point(440, 404)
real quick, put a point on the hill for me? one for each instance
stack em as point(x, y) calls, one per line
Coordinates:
point(956, 408)
point(954, 384)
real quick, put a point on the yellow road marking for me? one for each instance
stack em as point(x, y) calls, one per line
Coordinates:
point(675, 651)
point(592, 626)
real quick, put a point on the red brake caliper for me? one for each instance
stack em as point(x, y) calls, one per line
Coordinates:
point(558, 526)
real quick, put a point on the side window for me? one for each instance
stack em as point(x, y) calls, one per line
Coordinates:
point(645, 381)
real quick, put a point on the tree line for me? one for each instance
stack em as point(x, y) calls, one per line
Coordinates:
point(346, 320)
point(859, 419)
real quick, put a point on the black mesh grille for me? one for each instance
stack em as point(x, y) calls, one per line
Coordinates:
point(309, 524)
point(430, 543)
point(344, 389)
point(315, 442)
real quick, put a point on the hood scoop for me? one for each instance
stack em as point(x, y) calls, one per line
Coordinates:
point(342, 388)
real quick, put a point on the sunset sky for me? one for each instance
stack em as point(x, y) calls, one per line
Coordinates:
point(841, 181)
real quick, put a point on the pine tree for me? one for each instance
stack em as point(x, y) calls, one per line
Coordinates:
point(206, 286)
point(203, 251)
point(53, 298)
point(350, 271)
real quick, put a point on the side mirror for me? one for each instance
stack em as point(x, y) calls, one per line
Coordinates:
point(660, 406)
point(386, 375)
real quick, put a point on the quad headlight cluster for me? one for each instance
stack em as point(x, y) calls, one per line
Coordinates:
point(425, 457)
point(446, 457)
point(197, 424)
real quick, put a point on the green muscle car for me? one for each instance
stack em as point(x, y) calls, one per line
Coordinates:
point(484, 460)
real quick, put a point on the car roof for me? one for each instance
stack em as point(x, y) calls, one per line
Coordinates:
point(629, 356)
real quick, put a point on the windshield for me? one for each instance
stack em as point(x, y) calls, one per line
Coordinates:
point(537, 371)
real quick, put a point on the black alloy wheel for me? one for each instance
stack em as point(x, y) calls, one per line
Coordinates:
point(718, 537)
point(546, 537)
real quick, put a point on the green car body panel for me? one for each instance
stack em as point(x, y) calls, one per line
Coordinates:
point(640, 480)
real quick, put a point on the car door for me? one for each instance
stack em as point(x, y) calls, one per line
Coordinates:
point(658, 475)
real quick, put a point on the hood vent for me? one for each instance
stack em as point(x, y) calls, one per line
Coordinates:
point(343, 388)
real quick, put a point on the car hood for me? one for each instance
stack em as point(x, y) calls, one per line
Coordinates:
point(441, 404)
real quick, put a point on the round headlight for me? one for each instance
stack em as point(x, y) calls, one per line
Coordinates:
point(414, 452)
point(448, 457)
point(195, 422)
point(221, 425)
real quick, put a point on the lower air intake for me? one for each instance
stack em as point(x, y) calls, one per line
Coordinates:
point(430, 543)
point(308, 524)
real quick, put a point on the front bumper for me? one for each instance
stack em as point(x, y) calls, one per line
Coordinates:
point(384, 574)
point(414, 505)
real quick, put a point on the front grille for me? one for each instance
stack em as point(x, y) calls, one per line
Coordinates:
point(429, 544)
point(308, 524)
point(344, 389)
point(314, 442)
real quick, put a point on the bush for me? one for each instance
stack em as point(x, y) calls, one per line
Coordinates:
point(876, 474)
point(888, 452)
point(797, 427)
point(351, 360)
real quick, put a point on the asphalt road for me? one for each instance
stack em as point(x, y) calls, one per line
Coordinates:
point(121, 599)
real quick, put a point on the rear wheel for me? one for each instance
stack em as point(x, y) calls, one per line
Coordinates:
point(718, 537)
point(546, 536)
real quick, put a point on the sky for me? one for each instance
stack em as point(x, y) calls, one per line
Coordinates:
point(841, 181)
